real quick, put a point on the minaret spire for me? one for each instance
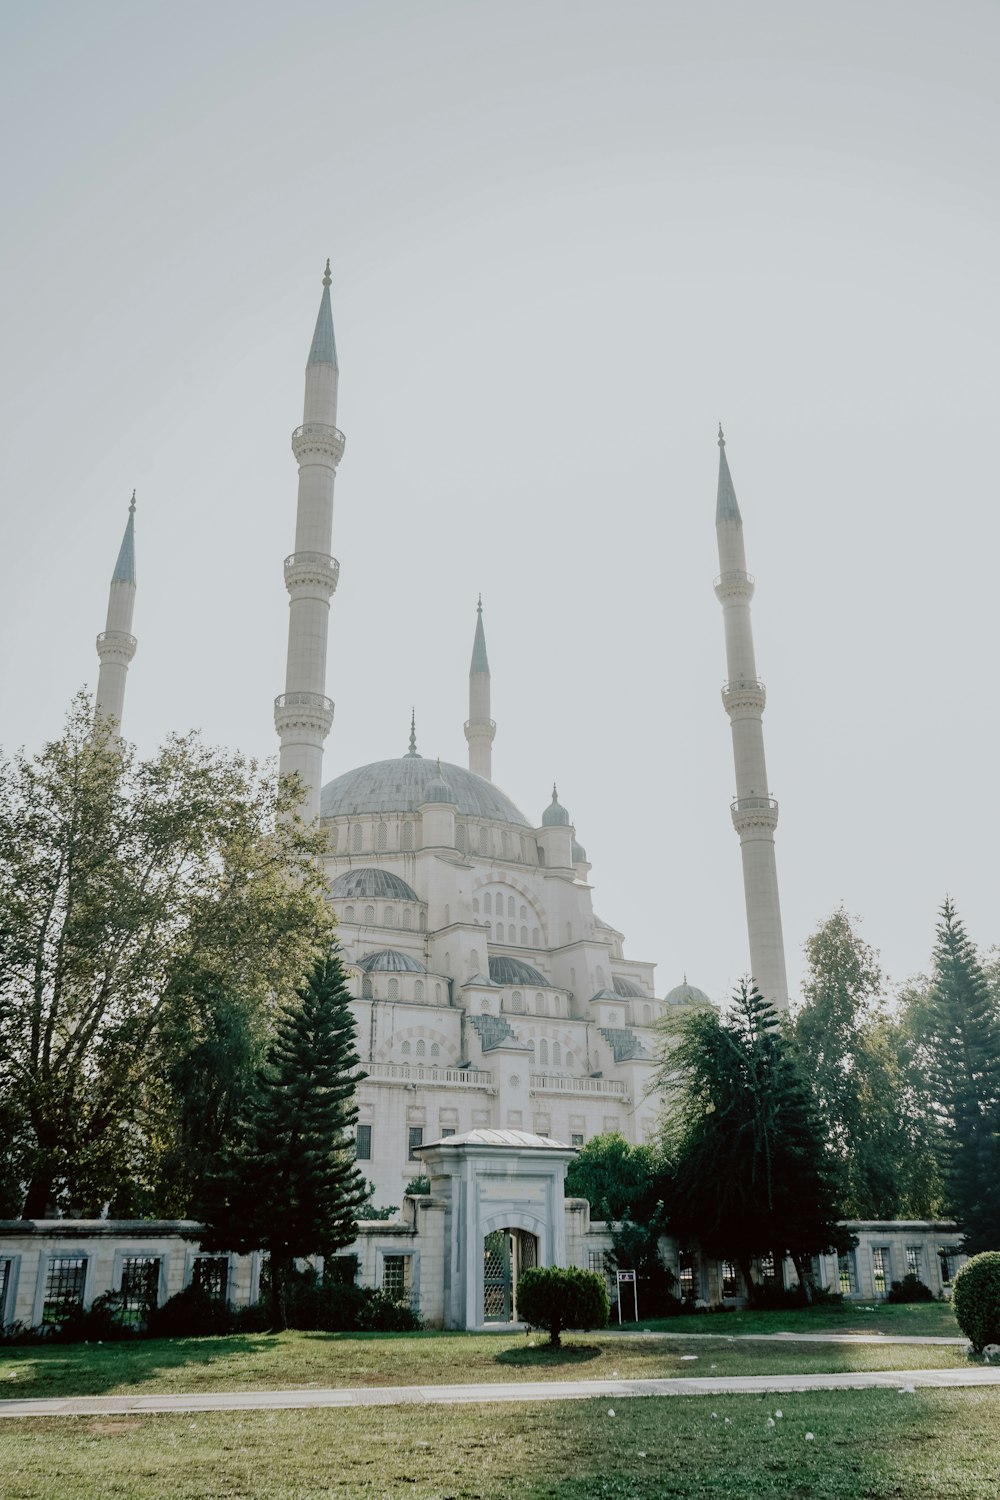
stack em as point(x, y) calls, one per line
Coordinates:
point(303, 714)
point(754, 811)
point(116, 644)
point(480, 728)
point(413, 735)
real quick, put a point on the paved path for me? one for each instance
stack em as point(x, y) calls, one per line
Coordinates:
point(799, 1338)
point(508, 1391)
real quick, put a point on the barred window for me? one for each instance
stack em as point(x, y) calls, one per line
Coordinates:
point(418, 989)
point(543, 1051)
point(367, 993)
point(381, 837)
point(460, 838)
point(914, 1260)
point(390, 916)
point(65, 1277)
point(211, 1274)
point(686, 1277)
point(407, 919)
point(484, 841)
point(6, 1278)
point(364, 1143)
point(768, 1271)
point(415, 1138)
point(556, 1055)
point(524, 937)
point(948, 1254)
point(407, 839)
point(847, 1274)
point(348, 913)
point(393, 989)
point(730, 1279)
point(881, 1274)
point(356, 838)
point(396, 1278)
point(511, 908)
point(140, 1288)
point(600, 1262)
point(576, 1139)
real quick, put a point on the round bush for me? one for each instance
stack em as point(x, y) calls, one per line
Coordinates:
point(551, 1298)
point(977, 1299)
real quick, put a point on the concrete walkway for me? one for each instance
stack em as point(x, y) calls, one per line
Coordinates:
point(508, 1391)
point(941, 1341)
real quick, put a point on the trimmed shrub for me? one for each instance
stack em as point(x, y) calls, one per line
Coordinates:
point(192, 1313)
point(910, 1289)
point(976, 1299)
point(380, 1314)
point(552, 1298)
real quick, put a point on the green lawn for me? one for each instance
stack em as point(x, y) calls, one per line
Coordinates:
point(296, 1360)
point(919, 1319)
point(879, 1445)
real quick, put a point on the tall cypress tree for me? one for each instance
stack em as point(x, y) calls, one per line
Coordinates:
point(961, 1040)
point(292, 1186)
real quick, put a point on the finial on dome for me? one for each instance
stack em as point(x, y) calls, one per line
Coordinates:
point(479, 604)
point(327, 278)
point(440, 773)
point(413, 731)
point(131, 505)
point(722, 438)
point(555, 794)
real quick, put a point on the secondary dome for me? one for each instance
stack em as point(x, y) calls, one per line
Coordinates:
point(504, 970)
point(555, 815)
point(372, 883)
point(390, 961)
point(626, 988)
point(687, 994)
point(395, 786)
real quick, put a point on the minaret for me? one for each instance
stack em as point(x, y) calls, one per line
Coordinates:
point(480, 728)
point(116, 643)
point(303, 714)
point(755, 812)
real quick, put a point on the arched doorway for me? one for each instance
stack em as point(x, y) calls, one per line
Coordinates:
point(506, 1253)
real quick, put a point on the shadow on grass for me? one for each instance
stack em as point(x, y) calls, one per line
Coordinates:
point(96, 1369)
point(544, 1356)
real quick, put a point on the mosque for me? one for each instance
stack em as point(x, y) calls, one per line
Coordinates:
point(488, 993)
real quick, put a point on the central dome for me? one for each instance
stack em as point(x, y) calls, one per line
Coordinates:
point(399, 786)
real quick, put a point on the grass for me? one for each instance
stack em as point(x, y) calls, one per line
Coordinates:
point(868, 1445)
point(919, 1319)
point(299, 1360)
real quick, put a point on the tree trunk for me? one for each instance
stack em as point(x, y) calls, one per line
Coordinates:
point(279, 1292)
point(39, 1196)
point(803, 1269)
point(749, 1285)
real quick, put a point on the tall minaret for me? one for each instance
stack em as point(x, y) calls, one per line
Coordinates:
point(116, 643)
point(303, 714)
point(480, 728)
point(755, 812)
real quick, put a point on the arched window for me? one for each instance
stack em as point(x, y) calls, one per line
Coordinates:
point(541, 1009)
point(407, 919)
point(484, 841)
point(474, 960)
point(421, 1049)
point(381, 837)
point(524, 912)
point(405, 1049)
point(366, 987)
point(461, 839)
point(406, 842)
point(369, 915)
point(516, 1001)
point(423, 921)
point(556, 1055)
point(535, 937)
point(390, 917)
point(647, 1015)
point(488, 904)
point(348, 913)
point(526, 849)
point(543, 1051)
point(393, 990)
point(572, 979)
point(418, 989)
point(499, 932)
point(511, 908)
point(435, 1050)
point(437, 993)
point(524, 937)
point(475, 905)
point(541, 855)
point(334, 838)
point(356, 838)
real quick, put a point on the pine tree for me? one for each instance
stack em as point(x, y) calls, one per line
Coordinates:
point(960, 1024)
point(292, 1186)
point(752, 1174)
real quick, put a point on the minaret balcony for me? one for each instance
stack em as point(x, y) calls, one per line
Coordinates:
point(754, 814)
point(317, 443)
point(743, 697)
point(298, 711)
point(480, 729)
point(116, 645)
point(312, 570)
point(732, 586)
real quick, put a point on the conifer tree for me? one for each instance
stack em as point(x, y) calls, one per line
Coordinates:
point(292, 1186)
point(958, 1024)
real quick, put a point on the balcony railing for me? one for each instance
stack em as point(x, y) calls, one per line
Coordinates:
point(753, 804)
point(743, 685)
point(557, 1083)
point(452, 1078)
point(734, 576)
point(321, 436)
point(305, 700)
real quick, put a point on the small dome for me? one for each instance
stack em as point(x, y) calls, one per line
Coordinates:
point(371, 882)
point(579, 854)
point(504, 970)
point(627, 988)
point(439, 790)
point(390, 961)
point(555, 815)
point(687, 994)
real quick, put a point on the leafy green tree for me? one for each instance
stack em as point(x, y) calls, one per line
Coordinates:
point(751, 1170)
point(552, 1298)
point(128, 889)
point(955, 1024)
point(856, 1059)
point(617, 1179)
point(292, 1186)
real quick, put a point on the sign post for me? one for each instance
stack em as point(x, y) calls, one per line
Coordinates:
point(626, 1277)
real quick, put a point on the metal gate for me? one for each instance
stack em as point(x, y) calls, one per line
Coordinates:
point(506, 1253)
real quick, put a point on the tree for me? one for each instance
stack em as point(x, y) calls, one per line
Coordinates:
point(955, 1023)
point(552, 1298)
point(855, 1056)
point(129, 889)
point(751, 1171)
point(292, 1186)
point(617, 1179)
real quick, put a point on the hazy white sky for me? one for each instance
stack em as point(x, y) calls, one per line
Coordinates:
point(567, 239)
